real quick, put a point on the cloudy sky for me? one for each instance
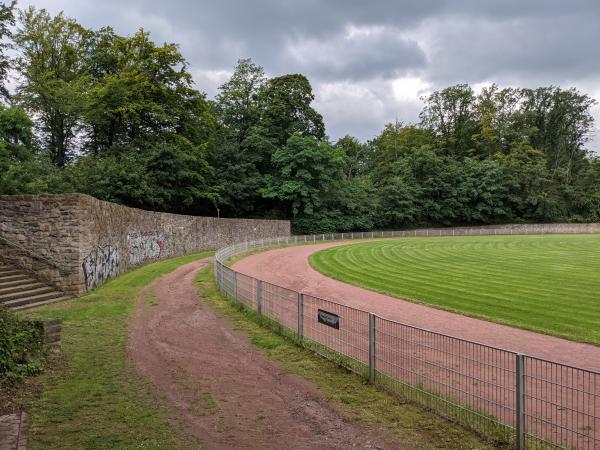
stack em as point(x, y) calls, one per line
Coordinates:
point(370, 61)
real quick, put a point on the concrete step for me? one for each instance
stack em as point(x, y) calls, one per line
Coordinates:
point(14, 277)
point(18, 290)
point(33, 299)
point(25, 293)
point(11, 283)
point(45, 302)
point(26, 285)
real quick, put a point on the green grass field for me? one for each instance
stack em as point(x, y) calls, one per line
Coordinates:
point(547, 283)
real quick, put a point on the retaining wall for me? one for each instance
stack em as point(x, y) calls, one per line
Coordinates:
point(77, 242)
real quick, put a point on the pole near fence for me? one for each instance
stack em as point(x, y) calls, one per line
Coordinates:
point(259, 296)
point(371, 348)
point(520, 401)
point(235, 297)
point(300, 316)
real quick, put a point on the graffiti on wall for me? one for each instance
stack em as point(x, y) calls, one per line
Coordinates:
point(101, 264)
point(144, 246)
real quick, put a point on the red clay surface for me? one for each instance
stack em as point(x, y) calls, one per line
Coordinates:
point(223, 391)
point(288, 267)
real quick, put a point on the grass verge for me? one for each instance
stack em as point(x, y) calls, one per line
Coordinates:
point(92, 399)
point(349, 393)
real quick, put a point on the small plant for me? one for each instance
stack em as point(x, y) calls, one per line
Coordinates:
point(21, 348)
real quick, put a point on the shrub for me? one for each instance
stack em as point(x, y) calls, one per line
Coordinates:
point(21, 347)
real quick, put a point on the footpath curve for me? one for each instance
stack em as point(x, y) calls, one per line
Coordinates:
point(289, 267)
point(223, 391)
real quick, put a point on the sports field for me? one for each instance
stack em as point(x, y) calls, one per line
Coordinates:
point(548, 283)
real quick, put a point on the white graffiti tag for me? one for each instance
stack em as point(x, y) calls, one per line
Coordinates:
point(101, 264)
point(145, 246)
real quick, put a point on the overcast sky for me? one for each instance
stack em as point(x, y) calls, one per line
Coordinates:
point(370, 61)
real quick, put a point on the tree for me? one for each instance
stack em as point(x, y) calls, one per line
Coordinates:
point(241, 149)
point(142, 94)
point(395, 141)
point(237, 103)
point(7, 19)
point(586, 195)
point(286, 110)
point(53, 67)
point(358, 156)
point(306, 170)
point(531, 194)
point(450, 114)
point(559, 123)
point(169, 177)
point(24, 169)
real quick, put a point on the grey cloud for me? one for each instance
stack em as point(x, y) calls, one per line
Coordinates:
point(356, 54)
point(442, 42)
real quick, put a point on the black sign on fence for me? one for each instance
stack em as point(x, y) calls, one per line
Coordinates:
point(329, 319)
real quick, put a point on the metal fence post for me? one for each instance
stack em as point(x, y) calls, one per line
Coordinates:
point(259, 296)
point(300, 316)
point(520, 401)
point(371, 348)
point(235, 294)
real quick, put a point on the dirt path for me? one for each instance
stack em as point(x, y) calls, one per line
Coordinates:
point(223, 391)
point(288, 267)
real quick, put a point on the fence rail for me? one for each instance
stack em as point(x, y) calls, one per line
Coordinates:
point(524, 401)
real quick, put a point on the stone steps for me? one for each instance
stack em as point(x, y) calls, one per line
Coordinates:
point(18, 290)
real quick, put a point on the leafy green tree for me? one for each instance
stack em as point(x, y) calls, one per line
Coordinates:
point(586, 195)
point(560, 123)
point(142, 94)
point(53, 65)
point(395, 141)
point(7, 19)
point(237, 104)
point(257, 117)
point(531, 193)
point(242, 150)
point(307, 169)
point(24, 169)
point(358, 156)
point(286, 109)
point(450, 115)
point(167, 177)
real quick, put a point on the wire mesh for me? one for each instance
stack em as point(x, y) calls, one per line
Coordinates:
point(281, 305)
point(349, 344)
point(462, 380)
point(562, 406)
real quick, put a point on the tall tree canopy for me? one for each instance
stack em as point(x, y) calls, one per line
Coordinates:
point(119, 117)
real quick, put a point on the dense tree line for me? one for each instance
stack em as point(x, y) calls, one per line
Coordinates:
point(118, 117)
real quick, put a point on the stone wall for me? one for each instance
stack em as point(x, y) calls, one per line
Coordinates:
point(77, 242)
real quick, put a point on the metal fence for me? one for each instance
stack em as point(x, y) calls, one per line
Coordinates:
point(512, 398)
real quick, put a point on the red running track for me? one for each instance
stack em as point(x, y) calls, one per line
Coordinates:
point(288, 267)
point(563, 405)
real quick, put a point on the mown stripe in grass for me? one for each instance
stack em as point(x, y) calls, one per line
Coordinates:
point(547, 283)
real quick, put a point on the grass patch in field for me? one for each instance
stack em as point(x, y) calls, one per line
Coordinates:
point(545, 283)
point(351, 394)
point(97, 402)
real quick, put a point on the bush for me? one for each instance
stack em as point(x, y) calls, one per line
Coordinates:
point(21, 347)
